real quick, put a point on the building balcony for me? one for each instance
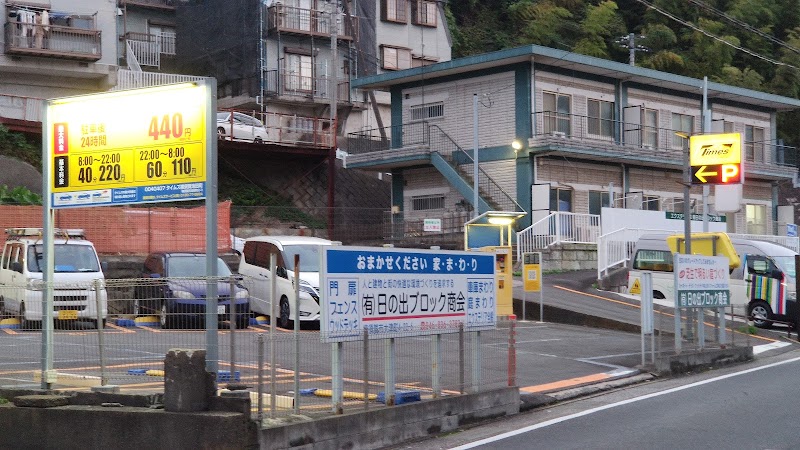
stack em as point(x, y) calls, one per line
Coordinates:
point(571, 135)
point(154, 4)
point(310, 22)
point(53, 41)
point(149, 48)
point(292, 87)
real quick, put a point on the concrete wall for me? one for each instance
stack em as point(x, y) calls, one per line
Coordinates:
point(391, 426)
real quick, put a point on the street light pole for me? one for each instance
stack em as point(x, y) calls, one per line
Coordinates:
point(475, 196)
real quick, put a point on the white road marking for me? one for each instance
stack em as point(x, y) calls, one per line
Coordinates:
point(547, 423)
point(771, 346)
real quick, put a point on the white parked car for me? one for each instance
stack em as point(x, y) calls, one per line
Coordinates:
point(255, 262)
point(77, 277)
point(245, 128)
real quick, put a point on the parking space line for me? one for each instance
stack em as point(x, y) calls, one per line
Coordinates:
point(9, 331)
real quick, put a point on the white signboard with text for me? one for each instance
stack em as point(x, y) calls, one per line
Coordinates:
point(701, 281)
point(402, 292)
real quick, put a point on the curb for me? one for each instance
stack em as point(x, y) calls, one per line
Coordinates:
point(533, 401)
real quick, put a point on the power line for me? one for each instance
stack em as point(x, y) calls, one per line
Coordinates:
point(715, 37)
point(745, 25)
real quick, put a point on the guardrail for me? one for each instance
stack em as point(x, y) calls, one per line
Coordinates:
point(557, 228)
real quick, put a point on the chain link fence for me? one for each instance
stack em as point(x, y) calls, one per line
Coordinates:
point(118, 331)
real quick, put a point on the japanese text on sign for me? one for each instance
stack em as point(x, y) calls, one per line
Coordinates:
point(401, 292)
point(105, 148)
point(701, 281)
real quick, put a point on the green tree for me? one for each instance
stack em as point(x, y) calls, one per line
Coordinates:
point(542, 23)
point(600, 25)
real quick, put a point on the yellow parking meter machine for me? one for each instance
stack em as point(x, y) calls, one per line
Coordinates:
point(503, 279)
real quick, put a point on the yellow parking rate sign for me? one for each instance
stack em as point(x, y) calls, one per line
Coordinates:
point(137, 146)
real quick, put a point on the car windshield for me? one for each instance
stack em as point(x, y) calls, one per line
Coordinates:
point(193, 266)
point(222, 116)
point(786, 264)
point(309, 257)
point(68, 258)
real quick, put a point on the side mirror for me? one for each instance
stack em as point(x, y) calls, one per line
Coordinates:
point(281, 272)
point(16, 267)
point(155, 275)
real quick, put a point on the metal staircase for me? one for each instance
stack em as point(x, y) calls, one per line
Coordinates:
point(496, 198)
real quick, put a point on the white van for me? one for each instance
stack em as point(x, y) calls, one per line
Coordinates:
point(254, 264)
point(770, 266)
point(74, 289)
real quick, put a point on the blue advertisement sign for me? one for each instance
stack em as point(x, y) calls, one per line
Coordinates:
point(402, 292)
point(131, 195)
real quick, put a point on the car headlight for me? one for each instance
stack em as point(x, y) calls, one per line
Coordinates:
point(241, 294)
point(183, 294)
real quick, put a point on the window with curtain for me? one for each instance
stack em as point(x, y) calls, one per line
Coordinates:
point(556, 110)
point(395, 58)
point(600, 120)
point(299, 72)
point(753, 143)
point(394, 10)
point(423, 12)
point(597, 201)
point(650, 128)
point(684, 124)
point(756, 219)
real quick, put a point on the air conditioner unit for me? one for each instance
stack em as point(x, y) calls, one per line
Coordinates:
point(559, 134)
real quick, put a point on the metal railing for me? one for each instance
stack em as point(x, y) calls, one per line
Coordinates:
point(148, 48)
point(170, 4)
point(558, 228)
point(310, 21)
point(626, 139)
point(130, 79)
point(493, 193)
point(22, 108)
point(52, 40)
point(423, 138)
point(291, 129)
point(283, 82)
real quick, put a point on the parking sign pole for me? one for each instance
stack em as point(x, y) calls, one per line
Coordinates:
point(212, 336)
point(47, 254)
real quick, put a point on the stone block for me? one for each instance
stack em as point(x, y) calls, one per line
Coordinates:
point(187, 385)
point(41, 401)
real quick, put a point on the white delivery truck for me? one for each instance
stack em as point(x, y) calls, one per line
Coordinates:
point(75, 272)
point(764, 280)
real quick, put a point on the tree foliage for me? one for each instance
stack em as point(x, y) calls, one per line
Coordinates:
point(700, 38)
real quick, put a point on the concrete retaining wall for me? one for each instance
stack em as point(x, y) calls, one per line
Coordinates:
point(566, 257)
point(391, 426)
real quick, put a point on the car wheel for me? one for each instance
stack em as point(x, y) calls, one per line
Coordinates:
point(258, 140)
point(658, 295)
point(760, 312)
point(95, 323)
point(221, 132)
point(243, 321)
point(283, 320)
point(164, 317)
point(27, 324)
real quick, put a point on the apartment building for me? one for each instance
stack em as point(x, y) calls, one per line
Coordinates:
point(54, 48)
point(593, 133)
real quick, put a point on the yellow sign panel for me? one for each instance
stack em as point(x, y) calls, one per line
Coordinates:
point(533, 278)
point(135, 146)
point(636, 288)
point(713, 149)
